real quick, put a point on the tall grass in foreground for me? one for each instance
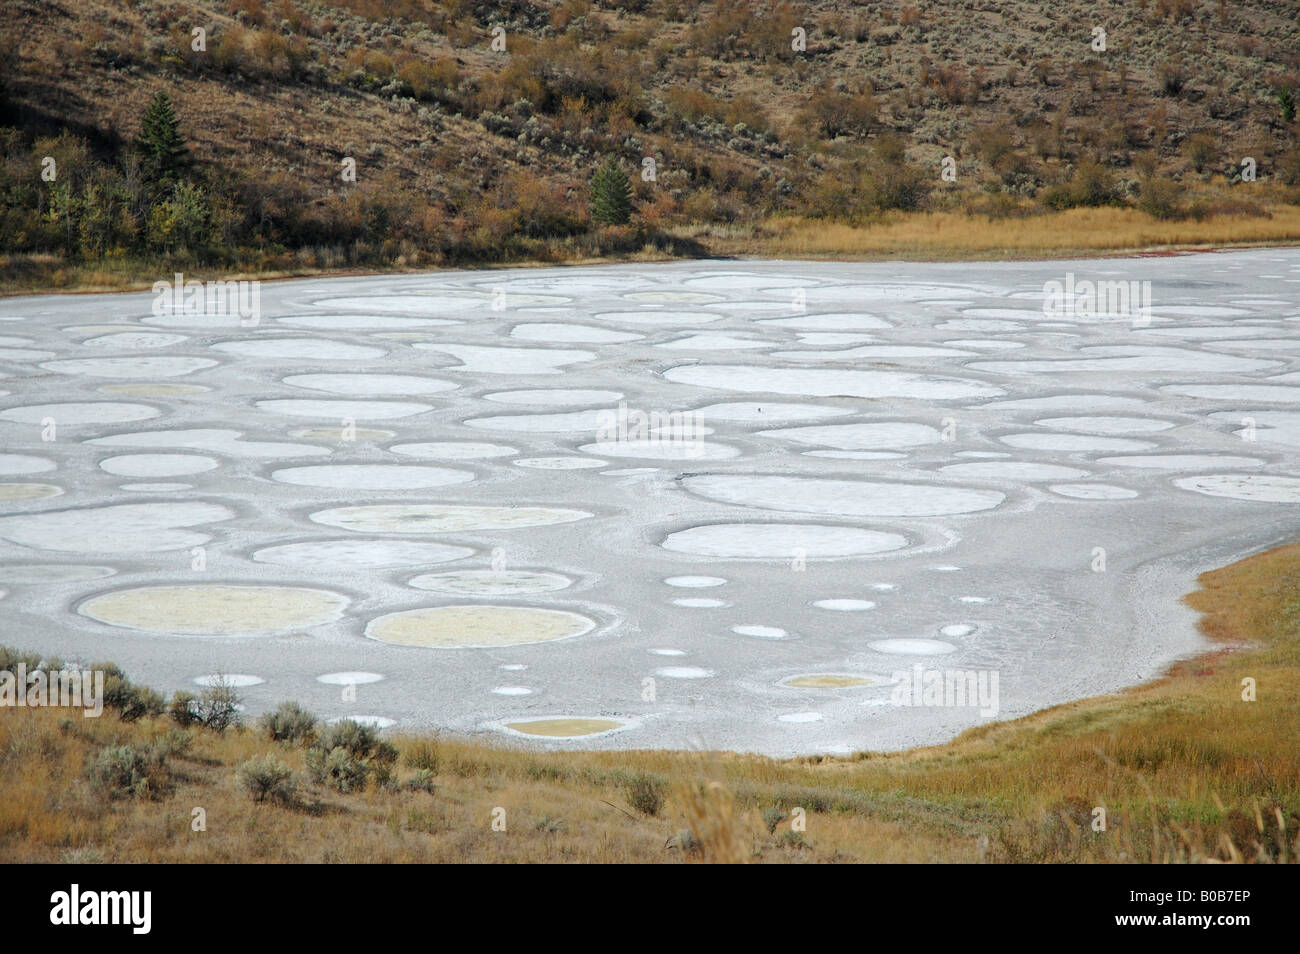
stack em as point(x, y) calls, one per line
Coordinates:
point(1185, 769)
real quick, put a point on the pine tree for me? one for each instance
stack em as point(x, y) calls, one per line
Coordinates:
point(163, 152)
point(611, 194)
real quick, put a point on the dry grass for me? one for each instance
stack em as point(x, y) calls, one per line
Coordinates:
point(1185, 769)
point(956, 235)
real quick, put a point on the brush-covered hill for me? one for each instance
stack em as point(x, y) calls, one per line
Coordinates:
point(475, 127)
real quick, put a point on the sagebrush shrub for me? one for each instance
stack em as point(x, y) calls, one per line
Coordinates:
point(290, 722)
point(268, 778)
point(772, 817)
point(347, 753)
point(183, 708)
point(131, 702)
point(129, 771)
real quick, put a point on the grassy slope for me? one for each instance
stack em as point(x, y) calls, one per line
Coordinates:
point(1185, 769)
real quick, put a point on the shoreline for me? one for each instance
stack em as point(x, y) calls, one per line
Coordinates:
point(1014, 792)
point(773, 255)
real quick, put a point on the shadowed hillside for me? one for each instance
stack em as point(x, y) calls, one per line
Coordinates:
point(748, 112)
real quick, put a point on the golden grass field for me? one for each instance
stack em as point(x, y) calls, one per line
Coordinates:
point(1186, 770)
point(1083, 232)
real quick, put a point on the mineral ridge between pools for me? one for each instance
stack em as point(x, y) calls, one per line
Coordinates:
point(769, 488)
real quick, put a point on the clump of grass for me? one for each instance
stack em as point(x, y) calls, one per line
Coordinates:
point(792, 839)
point(710, 811)
point(645, 793)
point(422, 755)
point(686, 842)
point(421, 781)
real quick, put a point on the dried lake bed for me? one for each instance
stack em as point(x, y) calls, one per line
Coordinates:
point(401, 498)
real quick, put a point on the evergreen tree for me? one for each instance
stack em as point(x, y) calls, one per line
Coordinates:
point(611, 194)
point(163, 152)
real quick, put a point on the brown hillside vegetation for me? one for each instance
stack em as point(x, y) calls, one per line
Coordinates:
point(1185, 769)
point(466, 153)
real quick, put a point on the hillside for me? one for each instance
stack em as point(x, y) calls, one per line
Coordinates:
point(466, 153)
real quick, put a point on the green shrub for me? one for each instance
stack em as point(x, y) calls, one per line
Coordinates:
point(360, 739)
point(143, 702)
point(131, 702)
point(290, 722)
point(884, 180)
point(175, 744)
point(181, 220)
point(346, 753)
point(1058, 198)
point(218, 706)
point(1286, 102)
point(129, 771)
point(336, 768)
point(183, 708)
point(268, 778)
point(11, 659)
